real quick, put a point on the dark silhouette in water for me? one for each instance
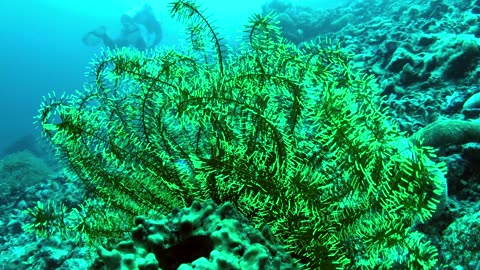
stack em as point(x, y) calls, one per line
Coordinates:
point(140, 29)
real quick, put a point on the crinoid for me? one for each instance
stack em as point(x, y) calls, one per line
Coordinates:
point(296, 139)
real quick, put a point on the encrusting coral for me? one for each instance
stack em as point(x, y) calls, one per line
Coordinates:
point(296, 139)
point(447, 132)
point(202, 236)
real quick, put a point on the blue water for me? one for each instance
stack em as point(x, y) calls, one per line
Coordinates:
point(41, 49)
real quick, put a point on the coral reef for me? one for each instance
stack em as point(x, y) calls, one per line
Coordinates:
point(201, 236)
point(297, 140)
